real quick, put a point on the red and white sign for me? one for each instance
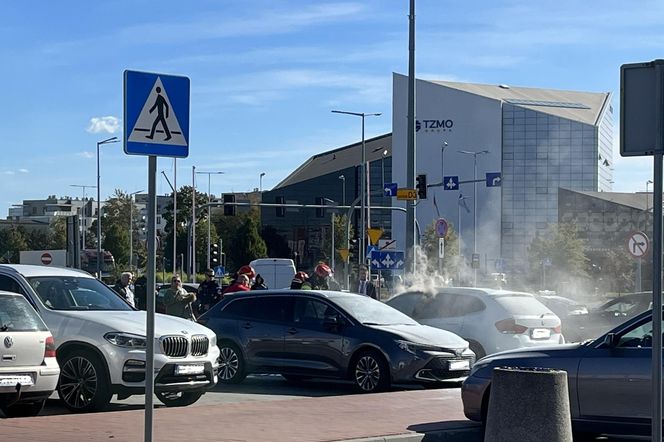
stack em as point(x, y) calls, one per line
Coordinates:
point(637, 244)
point(46, 258)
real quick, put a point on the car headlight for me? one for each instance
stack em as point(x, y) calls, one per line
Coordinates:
point(213, 340)
point(126, 340)
point(412, 347)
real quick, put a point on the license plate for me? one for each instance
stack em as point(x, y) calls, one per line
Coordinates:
point(459, 365)
point(11, 381)
point(541, 333)
point(189, 369)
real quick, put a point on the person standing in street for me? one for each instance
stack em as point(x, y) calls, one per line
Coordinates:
point(364, 286)
point(259, 283)
point(123, 288)
point(177, 301)
point(241, 284)
point(208, 292)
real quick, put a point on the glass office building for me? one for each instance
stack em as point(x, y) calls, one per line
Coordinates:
point(539, 140)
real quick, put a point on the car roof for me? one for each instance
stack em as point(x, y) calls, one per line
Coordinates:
point(4, 293)
point(321, 294)
point(34, 270)
point(470, 291)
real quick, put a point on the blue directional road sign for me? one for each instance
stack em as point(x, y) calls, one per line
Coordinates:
point(370, 250)
point(493, 179)
point(156, 114)
point(451, 183)
point(387, 260)
point(391, 189)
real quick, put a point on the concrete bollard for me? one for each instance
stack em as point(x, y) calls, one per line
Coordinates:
point(528, 405)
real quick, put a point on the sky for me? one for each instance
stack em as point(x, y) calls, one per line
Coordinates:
point(265, 75)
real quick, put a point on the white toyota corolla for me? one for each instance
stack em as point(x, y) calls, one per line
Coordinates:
point(101, 341)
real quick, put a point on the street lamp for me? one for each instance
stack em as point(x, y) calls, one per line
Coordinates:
point(474, 154)
point(648, 183)
point(84, 208)
point(343, 189)
point(364, 188)
point(131, 227)
point(99, 256)
point(209, 221)
point(260, 181)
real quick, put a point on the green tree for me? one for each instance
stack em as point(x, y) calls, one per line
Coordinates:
point(558, 255)
point(59, 233)
point(340, 239)
point(116, 241)
point(277, 246)
point(248, 244)
point(12, 241)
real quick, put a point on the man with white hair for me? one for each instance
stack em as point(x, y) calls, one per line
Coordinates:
point(123, 289)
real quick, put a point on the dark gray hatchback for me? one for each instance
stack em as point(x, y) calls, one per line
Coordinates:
point(325, 334)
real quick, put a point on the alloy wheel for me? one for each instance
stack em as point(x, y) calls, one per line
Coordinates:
point(78, 382)
point(367, 373)
point(229, 363)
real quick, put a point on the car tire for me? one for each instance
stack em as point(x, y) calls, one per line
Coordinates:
point(231, 364)
point(370, 372)
point(24, 409)
point(179, 398)
point(477, 348)
point(83, 384)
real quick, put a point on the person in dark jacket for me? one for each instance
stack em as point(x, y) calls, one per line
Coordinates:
point(363, 285)
point(298, 280)
point(259, 283)
point(208, 292)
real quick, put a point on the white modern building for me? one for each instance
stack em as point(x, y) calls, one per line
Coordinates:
point(537, 139)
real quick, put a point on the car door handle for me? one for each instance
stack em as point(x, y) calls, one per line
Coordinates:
point(292, 331)
point(248, 325)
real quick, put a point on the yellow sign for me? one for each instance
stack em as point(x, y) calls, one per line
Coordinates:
point(344, 254)
point(406, 194)
point(374, 235)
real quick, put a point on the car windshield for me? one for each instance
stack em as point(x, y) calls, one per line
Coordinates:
point(74, 293)
point(371, 312)
point(16, 314)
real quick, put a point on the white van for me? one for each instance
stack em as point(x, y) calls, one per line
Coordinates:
point(277, 272)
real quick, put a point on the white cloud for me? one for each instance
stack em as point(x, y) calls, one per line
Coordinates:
point(85, 154)
point(104, 124)
point(24, 170)
point(8, 172)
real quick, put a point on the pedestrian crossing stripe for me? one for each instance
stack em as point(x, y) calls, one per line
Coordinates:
point(151, 123)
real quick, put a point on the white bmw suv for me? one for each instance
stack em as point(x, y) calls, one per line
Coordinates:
point(101, 341)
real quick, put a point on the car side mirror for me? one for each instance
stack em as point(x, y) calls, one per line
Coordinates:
point(332, 323)
point(610, 340)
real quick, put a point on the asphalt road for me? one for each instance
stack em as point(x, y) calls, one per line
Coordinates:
point(257, 388)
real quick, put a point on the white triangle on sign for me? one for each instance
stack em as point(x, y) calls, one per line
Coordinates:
point(157, 118)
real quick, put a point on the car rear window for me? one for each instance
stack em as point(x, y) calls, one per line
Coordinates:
point(521, 304)
point(16, 314)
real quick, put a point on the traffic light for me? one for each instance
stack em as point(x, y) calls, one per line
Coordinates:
point(214, 255)
point(281, 211)
point(354, 245)
point(229, 210)
point(422, 186)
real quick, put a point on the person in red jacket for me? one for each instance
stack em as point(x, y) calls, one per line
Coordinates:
point(241, 284)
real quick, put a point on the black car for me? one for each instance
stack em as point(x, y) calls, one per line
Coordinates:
point(325, 334)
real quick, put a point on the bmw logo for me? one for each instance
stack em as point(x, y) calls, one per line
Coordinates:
point(9, 342)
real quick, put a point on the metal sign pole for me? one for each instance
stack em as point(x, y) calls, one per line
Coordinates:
point(657, 301)
point(151, 267)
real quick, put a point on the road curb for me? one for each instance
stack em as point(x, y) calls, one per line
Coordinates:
point(451, 435)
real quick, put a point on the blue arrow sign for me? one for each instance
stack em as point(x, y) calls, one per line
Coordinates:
point(390, 189)
point(451, 183)
point(156, 114)
point(387, 260)
point(493, 179)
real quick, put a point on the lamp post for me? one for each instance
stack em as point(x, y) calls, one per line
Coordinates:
point(474, 154)
point(260, 181)
point(209, 220)
point(648, 183)
point(343, 189)
point(99, 256)
point(364, 188)
point(83, 217)
point(131, 227)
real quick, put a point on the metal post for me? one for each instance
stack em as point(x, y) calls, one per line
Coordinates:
point(343, 189)
point(333, 250)
point(410, 150)
point(151, 268)
point(175, 215)
point(193, 224)
point(209, 221)
point(131, 229)
point(657, 299)
point(363, 191)
point(98, 217)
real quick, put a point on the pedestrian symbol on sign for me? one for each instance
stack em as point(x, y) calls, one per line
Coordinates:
point(159, 104)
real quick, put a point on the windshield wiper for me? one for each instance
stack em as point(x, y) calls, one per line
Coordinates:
point(372, 323)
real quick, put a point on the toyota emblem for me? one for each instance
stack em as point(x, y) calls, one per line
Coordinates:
point(9, 342)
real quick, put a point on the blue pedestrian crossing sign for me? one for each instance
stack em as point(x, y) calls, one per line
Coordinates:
point(391, 189)
point(451, 183)
point(493, 179)
point(156, 114)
